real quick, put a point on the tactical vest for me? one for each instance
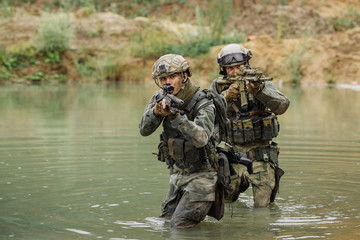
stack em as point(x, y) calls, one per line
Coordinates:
point(181, 154)
point(249, 121)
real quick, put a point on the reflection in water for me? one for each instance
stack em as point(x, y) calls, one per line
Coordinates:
point(73, 166)
point(78, 231)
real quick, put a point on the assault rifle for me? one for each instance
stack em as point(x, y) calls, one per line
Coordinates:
point(254, 76)
point(234, 157)
point(171, 101)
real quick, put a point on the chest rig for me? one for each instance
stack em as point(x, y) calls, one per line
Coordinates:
point(249, 121)
point(180, 154)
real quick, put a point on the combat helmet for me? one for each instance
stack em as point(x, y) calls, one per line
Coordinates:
point(231, 55)
point(169, 64)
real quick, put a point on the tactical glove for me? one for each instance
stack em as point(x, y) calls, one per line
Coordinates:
point(232, 92)
point(253, 88)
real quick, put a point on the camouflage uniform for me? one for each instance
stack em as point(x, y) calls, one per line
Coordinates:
point(192, 189)
point(251, 130)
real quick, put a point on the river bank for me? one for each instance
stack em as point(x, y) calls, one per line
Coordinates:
point(295, 43)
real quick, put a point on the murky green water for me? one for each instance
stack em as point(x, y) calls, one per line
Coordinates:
point(73, 166)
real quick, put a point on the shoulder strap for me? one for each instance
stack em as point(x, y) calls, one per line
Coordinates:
point(199, 95)
point(220, 108)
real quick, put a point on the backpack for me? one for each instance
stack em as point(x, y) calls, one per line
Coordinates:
point(220, 109)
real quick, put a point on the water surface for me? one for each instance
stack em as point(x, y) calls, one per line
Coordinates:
point(74, 166)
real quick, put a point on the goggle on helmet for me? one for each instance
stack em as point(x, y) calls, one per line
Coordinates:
point(231, 55)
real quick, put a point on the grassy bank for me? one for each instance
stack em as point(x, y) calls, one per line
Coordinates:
point(93, 40)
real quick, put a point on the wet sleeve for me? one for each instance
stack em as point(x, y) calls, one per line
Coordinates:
point(149, 122)
point(272, 98)
point(200, 130)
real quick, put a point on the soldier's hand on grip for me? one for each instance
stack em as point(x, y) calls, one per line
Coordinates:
point(232, 92)
point(162, 109)
point(253, 87)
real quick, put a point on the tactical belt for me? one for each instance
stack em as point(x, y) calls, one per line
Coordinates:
point(186, 170)
point(265, 153)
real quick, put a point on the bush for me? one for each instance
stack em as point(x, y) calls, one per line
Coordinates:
point(6, 9)
point(4, 74)
point(54, 33)
point(350, 20)
point(110, 68)
point(150, 41)
point(218, 14)
point(193, 45)
point(295, 62)
point(17, 58)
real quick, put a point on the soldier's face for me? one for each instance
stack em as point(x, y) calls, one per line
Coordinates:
point(174, 80)
point(233, 70)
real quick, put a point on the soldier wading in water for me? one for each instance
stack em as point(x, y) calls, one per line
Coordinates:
point(187, 116)
point(252, 124)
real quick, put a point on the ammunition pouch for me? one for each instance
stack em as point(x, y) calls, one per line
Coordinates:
point(267, 153)
point(249, 130)
point(163, 151)
point(163, 155)
point(185, 155)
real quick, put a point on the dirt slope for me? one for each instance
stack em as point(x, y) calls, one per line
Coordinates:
point(324, 56)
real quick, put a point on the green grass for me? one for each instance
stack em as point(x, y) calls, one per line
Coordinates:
point(150, 41)
point(295, 62)
point(349, 20)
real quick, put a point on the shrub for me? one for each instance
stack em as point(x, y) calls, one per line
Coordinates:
point(54, 33)
point(6, 9)
point(150, 41)
point(295, 62)
point(18, 58)
point(283, 2)
point(110, 68)
point(193, 46)
point(199, 43)
point(218, 13)
point(86, 66)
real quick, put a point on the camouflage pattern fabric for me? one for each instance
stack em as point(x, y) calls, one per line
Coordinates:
point(189, 198)
point(263, 177)
point(197, 131)
point(190, 195)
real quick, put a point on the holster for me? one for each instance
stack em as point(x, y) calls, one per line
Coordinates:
point(217, 208)
point(278, 174)
point(163, 155)
point(224, 171)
